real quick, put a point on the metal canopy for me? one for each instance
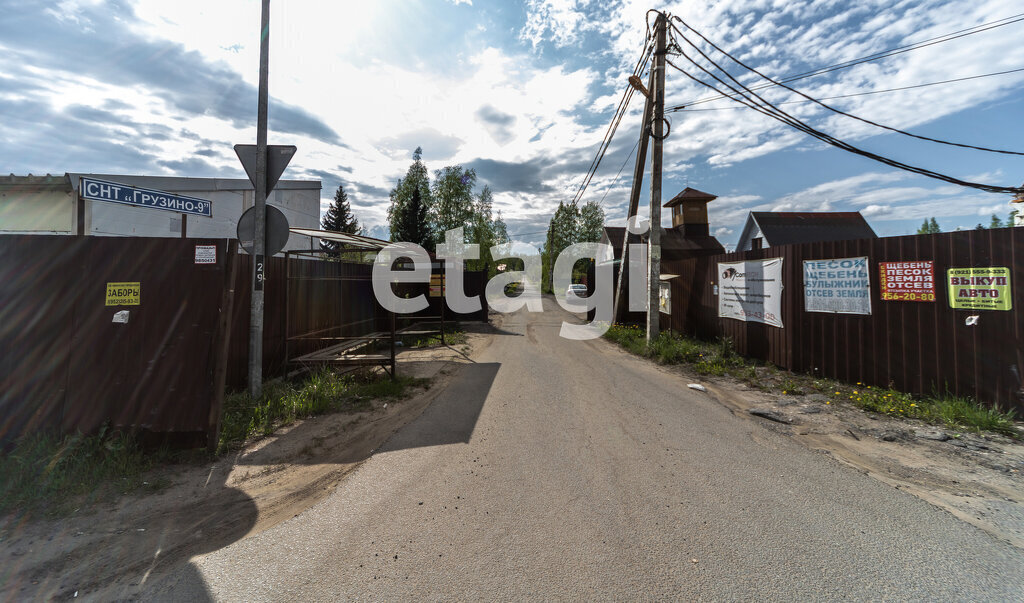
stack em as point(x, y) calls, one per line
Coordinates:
point(342, 237)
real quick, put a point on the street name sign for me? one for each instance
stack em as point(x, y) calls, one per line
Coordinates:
point(94, 189)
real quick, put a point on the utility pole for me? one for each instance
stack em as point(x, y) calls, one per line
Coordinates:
point(259, 243)
point(654, 236)
point(638, 180)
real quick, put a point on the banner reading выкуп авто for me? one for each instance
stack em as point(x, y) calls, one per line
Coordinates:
point(839, 286)
point(980, 288)
point(751, 291)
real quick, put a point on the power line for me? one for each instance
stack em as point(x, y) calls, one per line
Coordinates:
point(959, 79)
point(763, 106)
point(614, 124)
point(821, 104)
point(878, 55)
point(621, 167)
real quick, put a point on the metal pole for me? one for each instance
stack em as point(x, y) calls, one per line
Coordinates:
point(634, 196)
point(393, 352)
point(259, 243)
point(184, 226)
point(654, 238)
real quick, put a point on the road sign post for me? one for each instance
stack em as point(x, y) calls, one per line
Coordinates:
point(260, 202)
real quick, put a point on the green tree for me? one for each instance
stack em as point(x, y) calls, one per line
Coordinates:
point(929, 227)
point(410, 204)
point(413, 224)
point(482, 231)
point(338, 218)
point(591, 222)
point(563, 230)
point(1011, 220)
point(452, 200)
point(996, 222)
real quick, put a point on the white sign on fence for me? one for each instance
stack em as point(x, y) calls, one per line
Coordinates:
point(837, 286)
point(206, 254)
point(751, 291)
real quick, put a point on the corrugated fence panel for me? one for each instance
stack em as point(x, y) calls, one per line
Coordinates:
point(921, 347)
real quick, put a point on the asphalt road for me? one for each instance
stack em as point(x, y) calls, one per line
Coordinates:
point(557, 469)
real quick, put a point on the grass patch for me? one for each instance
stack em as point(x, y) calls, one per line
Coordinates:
point(44, 475)
point(283, 402)
point(708, 358)
point(720, 358)
point(955, 412)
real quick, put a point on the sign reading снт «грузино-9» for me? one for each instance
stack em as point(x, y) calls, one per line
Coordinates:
point(112, 192)
point(751, 291)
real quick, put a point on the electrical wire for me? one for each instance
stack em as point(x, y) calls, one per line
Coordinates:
point(621, 167)
point(614, 124)
point(763, 106)
point(829, 107)
point(880, 55)
point(959, 79)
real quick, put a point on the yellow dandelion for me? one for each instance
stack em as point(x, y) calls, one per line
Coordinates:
point(856, 392)
point(912, 404)
point(828, 402)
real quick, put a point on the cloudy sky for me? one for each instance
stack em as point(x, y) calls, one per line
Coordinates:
point(523, 93)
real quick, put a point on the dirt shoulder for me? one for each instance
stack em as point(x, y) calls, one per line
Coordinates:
point(979, 478)
point(123, 542)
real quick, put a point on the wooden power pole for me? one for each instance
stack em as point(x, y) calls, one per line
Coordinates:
point(657, 127)
point(634, 193)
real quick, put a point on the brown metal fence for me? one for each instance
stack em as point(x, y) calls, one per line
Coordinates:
point(66, 367)
point(919, 347)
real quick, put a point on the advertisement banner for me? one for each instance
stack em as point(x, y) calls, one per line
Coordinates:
point(907, 281)
point(751, 291)
point(980, 288)
point(837, 286)
point(124, 294)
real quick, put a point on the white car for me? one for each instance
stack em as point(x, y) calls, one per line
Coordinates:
point(576, 290)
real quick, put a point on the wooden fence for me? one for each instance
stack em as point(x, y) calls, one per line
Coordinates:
point(919, 347)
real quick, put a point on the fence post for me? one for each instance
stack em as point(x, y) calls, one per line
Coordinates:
point(222, 342)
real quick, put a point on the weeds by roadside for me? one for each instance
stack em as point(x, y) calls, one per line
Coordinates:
point(44, 474)
point(282, 402)
point(718, 358)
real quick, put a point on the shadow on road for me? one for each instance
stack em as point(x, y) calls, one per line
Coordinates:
point(449, 418)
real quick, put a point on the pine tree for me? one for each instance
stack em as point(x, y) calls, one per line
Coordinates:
point(338, 218)
point(413, 226)
point(929, 227)
point(408, 220)
point(995, 222)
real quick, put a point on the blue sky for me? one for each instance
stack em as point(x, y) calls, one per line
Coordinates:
point(520, 91)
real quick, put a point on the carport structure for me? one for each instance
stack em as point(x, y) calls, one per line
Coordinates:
point(352, 344)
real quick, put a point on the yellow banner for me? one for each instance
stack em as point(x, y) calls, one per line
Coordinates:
point(124, 294)
point(980, 288)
